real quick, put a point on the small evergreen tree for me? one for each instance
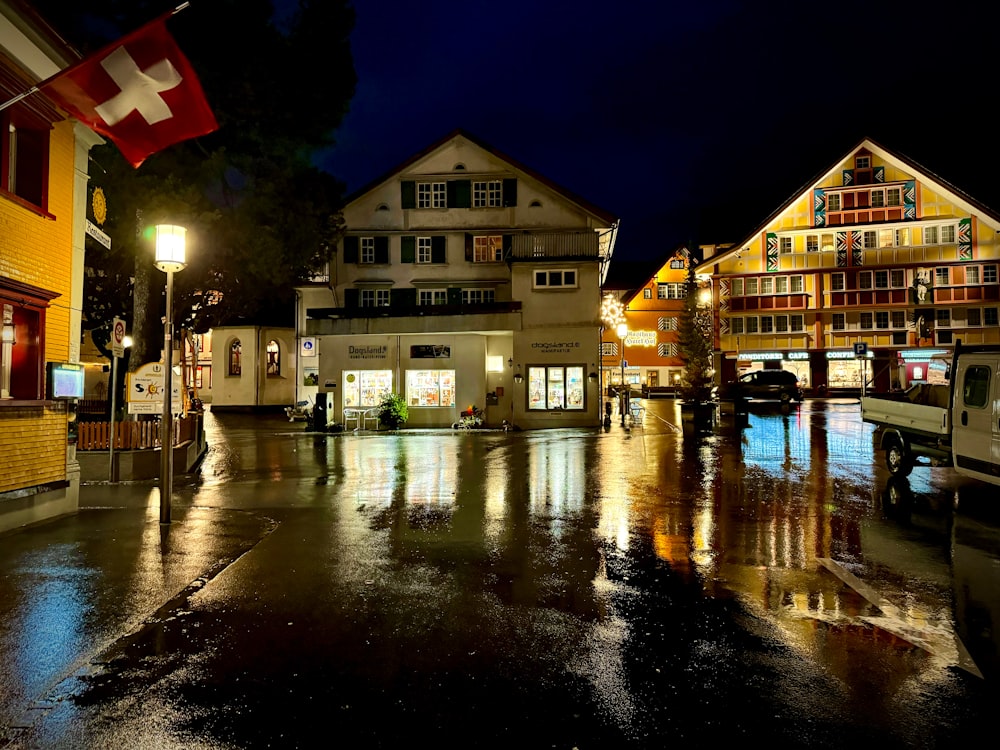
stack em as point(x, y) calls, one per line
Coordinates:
point(695, 338)
point(393, 411)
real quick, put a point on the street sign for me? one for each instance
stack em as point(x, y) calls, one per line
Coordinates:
point(860, 349)
point(118, 337)
point(145, 390)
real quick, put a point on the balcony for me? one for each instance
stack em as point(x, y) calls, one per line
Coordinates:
point(400, 319)
point(555, 246)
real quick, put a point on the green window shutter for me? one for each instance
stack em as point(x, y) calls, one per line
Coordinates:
point(468, 247)
point(382, 250)
point(459, 193)
point(454, 295)
point(403, 297)
point(408, 194)
point(438, 249)
point(508, 246)
point(407, 249)
point(351, 298)
point(510, 192)
point(350, 249)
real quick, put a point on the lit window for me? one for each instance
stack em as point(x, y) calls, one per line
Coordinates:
point(826, 243)
point(972, 274)
point(902, 237)
point(948, 234)
point(487, 249)
point(784, 245)
point(812, 243)
point(781, 285)
point(796, 284)
point(892, 196)
point(878, 198)
point(930, 235)
point(833, 202)
point(751, 287)
point(737, 288)
point(428, 388)
point(767, 285)
point(555, 388)
point(670, 290)
point(365, 388)
point(870, 239)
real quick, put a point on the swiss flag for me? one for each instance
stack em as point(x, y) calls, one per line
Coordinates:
point(141, 92)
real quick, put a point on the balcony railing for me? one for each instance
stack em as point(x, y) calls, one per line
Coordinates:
point(555, 246)
point(409, 311)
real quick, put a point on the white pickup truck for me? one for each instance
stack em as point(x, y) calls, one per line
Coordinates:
point(955, 424)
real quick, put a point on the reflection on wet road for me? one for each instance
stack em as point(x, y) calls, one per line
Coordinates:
point(566, 588)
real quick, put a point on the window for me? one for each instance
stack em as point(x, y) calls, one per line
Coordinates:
point(430, 388)
point(976, 387)
point(737, 288)
point(796, 284)
point(862, 162)
point(886, 237)
point(767, 285)
point(865, 280)
point(972, 275)
point(839, 322)
point(990, 274)
point(365, 388)
point(555, 279)
point(766, 324)
point(736, 325)
point(973, 317)
point(898, 319)
point(752, 325)
point(897, 278)
point(555, 387)
point(478, 296)
point(236, 358)
point(751, 287)
point(781, 285)
point(866, 321)
point(902, 237)
point(930, 235)
point(812, 243)
point(941, 276)
point(487, 249)
point(881, 279)
point(837, 282)
point(273, 359)
point(487, 194)
point(878, 198)
point(781, 323)
point(784, 245)
point(827, 244)
point(432, 195)
point(833, 202)
point(942, 318)
point(374, 298)
point(671, 290)
point(432, 297)
point(882, 319)
point(892, 196)
point(798, 322)
point(24, 156)
point(948, 234)
point(647, 293)
point(367, 250)
point(423, 250)
point(870, 239)
point(990, 316)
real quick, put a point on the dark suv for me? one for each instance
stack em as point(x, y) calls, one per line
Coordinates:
point(780, 385)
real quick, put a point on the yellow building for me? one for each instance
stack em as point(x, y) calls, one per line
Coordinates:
point(43, 186)
point(861, 278)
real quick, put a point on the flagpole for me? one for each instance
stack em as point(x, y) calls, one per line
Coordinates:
point(34, 89)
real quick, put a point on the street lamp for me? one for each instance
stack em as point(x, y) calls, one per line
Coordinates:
point(169, 259)
point(622, 333)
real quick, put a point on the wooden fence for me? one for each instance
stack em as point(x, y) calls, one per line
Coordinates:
point(129, 435)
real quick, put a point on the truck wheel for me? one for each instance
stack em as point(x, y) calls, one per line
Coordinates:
point(897, 461)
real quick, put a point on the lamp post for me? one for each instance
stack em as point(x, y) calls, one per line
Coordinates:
point(169, 259)
point(623, 398)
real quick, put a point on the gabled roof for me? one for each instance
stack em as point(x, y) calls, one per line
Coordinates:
point(459, 132)
point(925, 176)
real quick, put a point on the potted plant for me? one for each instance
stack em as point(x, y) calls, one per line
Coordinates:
point(697, 390)
point(392, 411)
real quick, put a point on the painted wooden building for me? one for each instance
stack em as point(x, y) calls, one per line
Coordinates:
point(866, 276)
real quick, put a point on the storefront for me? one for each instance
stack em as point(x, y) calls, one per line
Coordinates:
point(794, 361)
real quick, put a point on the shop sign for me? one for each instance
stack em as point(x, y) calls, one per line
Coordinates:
point(641, 338)
point(555, 347)
point(849, 354)
point(429, 351)
point(761, 356)
point(922, 354)
point(368, 352)
point(797, 355)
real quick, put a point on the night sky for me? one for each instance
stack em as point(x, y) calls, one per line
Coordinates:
point(690, 121)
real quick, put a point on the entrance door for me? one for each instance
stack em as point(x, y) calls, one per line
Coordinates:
point(653, 378)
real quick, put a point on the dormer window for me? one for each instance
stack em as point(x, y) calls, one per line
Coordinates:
point(862, 162)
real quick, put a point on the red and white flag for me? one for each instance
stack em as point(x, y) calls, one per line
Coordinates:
point(141, 92)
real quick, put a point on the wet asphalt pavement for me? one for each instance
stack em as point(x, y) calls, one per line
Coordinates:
point(564, 589)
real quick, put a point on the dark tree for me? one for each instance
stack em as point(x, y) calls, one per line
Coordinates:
point(695, 339)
